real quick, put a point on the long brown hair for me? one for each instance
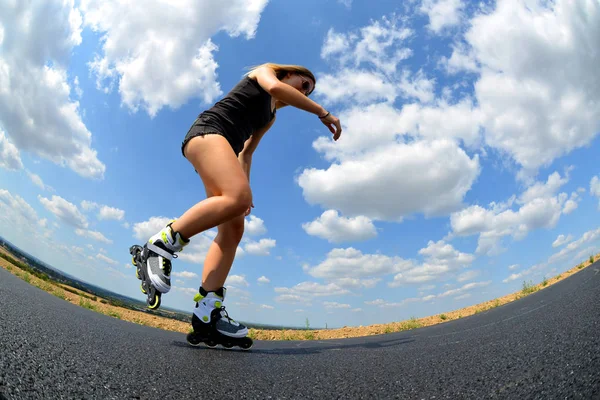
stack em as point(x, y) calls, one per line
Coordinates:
point(282, 69)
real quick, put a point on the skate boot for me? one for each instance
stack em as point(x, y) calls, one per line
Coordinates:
point(153, 263)
point(212, 325)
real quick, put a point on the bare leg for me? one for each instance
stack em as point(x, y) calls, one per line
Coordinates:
point(222, 175)
point(221, 253)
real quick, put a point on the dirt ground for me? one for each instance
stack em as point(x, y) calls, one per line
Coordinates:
point(98, 304)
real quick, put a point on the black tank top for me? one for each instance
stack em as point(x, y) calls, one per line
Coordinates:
point(246, 108)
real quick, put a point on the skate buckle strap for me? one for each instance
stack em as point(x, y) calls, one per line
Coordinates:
point(160, 251)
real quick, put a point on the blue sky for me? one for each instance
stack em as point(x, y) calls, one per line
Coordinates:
point(466, 165)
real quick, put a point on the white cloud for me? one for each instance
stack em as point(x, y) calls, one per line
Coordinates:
point(254, 226)
point(595, 188)
point(266, 307)
point(361, 86)
point(260, 248)
point(93, 235)
point(111, 213)
point(169, 42)
point(335, 228)
point(335, 305)
point(345, 3)
point(10, 158)
point(442, 13)
point(524, 273)
point(587, 238)
point(305, 291)
point(185, 274)
point(540, 207)
point(263, 279)
point(65, 211)
point(34, 88)
point(468, 275)
point(144, 230)
point(456, 293)
point(38, 181)
point(562, 239)
point(106, 259)
point(18, 214)
point(352, 263)
point(429, 177)
point(463, 289)
point(536, 106)
point(513, 267)
point(237, 280)
point(89, 205)
point(441, 260)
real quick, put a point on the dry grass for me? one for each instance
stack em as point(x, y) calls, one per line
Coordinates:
point(148, 319)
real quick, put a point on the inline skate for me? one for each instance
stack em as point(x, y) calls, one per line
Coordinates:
point(212, 325)
point(153, 263)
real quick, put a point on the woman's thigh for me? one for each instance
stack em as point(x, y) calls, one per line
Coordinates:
point(218, 166)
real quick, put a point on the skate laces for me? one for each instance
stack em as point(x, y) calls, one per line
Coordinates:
point(225, 314)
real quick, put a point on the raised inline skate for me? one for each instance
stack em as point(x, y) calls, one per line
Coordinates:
point(153, 263)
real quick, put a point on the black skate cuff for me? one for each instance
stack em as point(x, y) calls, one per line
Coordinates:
point(219, 292)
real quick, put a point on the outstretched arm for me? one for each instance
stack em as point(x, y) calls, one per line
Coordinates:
point(286, 94)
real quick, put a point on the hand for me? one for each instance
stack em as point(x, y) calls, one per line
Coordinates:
point(333, 123)
point(249, 210)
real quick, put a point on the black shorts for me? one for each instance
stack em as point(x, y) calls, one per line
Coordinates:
point(201, 127)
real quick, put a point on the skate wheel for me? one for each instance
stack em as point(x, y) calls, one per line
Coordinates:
point(142, 288)
point(137, 274)
point(154, 303)
point(246, 344)
point(193, 339)
point(133, 261)
point(211, 343)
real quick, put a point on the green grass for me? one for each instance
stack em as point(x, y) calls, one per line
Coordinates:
point(443, 317)
point(528, 288)
point(86, 304)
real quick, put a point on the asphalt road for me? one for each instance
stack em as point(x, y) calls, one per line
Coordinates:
point(545, 346)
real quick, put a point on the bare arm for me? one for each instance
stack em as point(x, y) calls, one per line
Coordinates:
point(245, 156)
point(285, 94)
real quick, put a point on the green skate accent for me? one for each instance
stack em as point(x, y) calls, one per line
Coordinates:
point(217, 304)
point(205, 318)
point(164, 237)
point(198, 297)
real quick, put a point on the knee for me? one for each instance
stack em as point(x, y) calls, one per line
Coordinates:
point(241, 200)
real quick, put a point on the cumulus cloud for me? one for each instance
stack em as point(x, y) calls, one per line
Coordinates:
point(304, 292)
point(442, 13)
point(427, 177)
point(65, 211)
point(335, 228)
point(169, 41)
point(260, 248)
point(18, 214)
point(562, 239)
point(539, 207)
point(35, 90)
point(536, 107)
point(441, 260)
point(107, 213)
point(254, 226)
point(10, 158)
